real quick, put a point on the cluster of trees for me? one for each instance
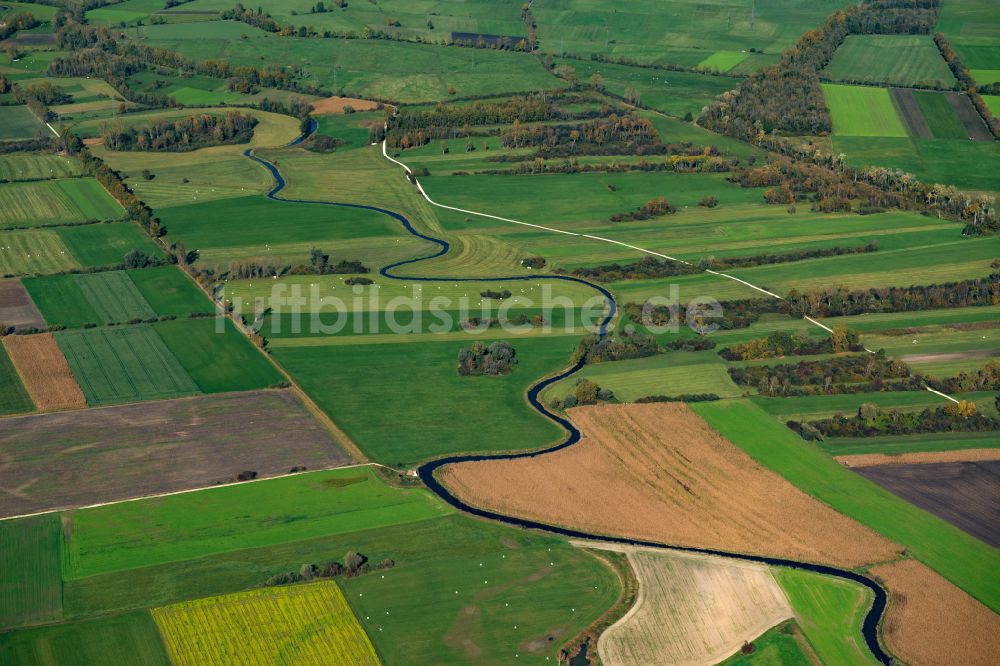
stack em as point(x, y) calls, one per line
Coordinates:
point(258, 19)
point(611, 135)
point(987, 379)
point(594, 349)
point(843, 301)
point(319, 264)
point(646, 268)
point(786, 257)
point(703, 162)
point(322, 143)
point(17, 21)
point(857, 373)
point(657, 207)
point(698, 343)
point(360, 281)
point(894, 17)
point(498, 358)
point(529, 108)
point(533, 262)
point(966, 82)
point(241, 269)
point(735, 314)
point(683, 397)
point(496, 294)
point(183, 134)
point(355, 564)
point(873, 421)
point(39, 96)
point(782, 343)
point(585, 392)
point(478, 323)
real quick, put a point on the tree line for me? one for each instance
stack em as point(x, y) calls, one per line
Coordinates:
point(625, 345)
point(183, 134)
point(874, 421)
point(857, 373)
point(782, 343)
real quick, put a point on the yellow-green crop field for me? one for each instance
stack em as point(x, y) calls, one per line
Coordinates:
point(302, 624)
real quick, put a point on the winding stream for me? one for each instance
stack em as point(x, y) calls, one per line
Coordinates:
point(426, 471)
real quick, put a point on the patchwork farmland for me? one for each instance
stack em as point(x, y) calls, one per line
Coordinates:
point(483, 333)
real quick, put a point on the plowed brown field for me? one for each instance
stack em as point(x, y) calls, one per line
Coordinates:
point(659, 472)
point(337, 104)
point(929, 621)
point(44, 371)
point(923, 457)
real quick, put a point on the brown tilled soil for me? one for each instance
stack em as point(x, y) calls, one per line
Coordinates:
point(911, 113)
point(970, 118)
point(337, 104)
point(659, 472)
point(966, 494)
point(929, 621)
point(88, 456)
point(44, 371)
point(925, 457)
point(16, 307)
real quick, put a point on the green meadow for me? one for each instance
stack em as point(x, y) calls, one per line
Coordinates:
point(106, 244)
point(940, 115)
point(34, 252)
point(30, 588)
point(17, 122)
point(124, 364)
point(902, 60)
point(14, 398)
point(830, 612)
point(217, 360)
point(863, 111)
point(354, 384)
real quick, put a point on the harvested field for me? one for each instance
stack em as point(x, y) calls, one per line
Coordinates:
point(336, 105)
point(113, 453)
point(17, 308)
point(921, 458)
point(303, 624)
point(658, 472)
point(691, 610)
point(966, 494)
point(44, 371)
point(913, 118)
point(929, 621)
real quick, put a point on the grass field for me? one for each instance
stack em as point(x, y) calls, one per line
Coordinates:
point(354, 383)
point(993, 101)
point(675, 93)
point(960, 558)
point(17, 122)
point(378, 69)
point(973, 165)
point(14, 397)
point(830, 612)
point(217, 360)
point(778, 646)
point(723, 61)
point(105, 244)
point(120, 639)
point(904, 60)
point(297, 624)
point(114, 297)
point(666, 374)
point(61, 301)
point(55, 202)
point(188, 526)
point(124, 364)
point(842, 446)
point(862, 111)
point(30, 586)
point(33, 251)
point(940, 115)
point(37, 166)
point(257, 227)
point(170, 292)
